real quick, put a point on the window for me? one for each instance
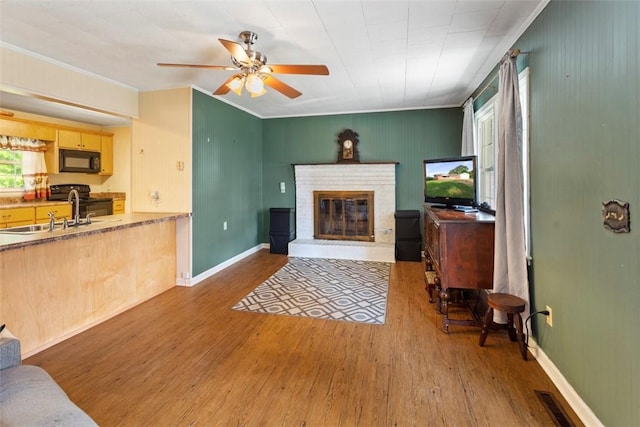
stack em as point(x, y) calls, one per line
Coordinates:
point(487, 134)
point(11, 171)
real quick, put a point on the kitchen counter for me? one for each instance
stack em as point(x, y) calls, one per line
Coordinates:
point(102, 224)
point(54, 285)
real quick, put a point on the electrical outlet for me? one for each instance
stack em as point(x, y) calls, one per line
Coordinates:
point(549, 317)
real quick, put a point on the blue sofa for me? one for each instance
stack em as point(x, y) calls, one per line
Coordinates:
point(29, 396)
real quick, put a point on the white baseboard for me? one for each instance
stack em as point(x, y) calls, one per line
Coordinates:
point(205, 275)
point(572, 397)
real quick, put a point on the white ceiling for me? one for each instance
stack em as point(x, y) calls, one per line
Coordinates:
point(382, 55)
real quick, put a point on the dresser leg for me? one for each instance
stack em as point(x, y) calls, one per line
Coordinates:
point(436, 282)
point(444, 296)
point(430, 287)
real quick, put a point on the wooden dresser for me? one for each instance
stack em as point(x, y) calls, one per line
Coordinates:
point(459, 250)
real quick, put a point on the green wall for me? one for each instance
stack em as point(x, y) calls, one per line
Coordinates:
point(407, 137)
point(227, 181)
point(585, 149)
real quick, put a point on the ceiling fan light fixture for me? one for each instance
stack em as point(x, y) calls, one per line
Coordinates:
point(262, 92)
point(253, 71)
point(254, 85)
point(236, 84)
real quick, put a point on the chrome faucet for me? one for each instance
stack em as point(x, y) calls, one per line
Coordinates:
point(52, 220)
point(76, 217)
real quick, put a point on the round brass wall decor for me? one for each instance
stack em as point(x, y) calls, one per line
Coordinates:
point(616, 216)
point(348, 151)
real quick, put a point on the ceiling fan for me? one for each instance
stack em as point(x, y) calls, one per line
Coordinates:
point(254, 72)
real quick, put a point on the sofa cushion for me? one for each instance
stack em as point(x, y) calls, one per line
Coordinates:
point(9, 351)
point(29, 396)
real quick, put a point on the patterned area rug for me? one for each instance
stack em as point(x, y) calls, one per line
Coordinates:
point(334, 289)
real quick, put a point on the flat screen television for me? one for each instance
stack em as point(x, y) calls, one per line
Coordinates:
point(450, 182)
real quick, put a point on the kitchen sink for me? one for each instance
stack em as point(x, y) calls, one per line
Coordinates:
point(26, 229)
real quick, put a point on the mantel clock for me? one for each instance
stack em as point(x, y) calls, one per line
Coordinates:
point(348, 151)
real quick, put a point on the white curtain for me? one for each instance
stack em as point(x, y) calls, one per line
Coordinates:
point(34, 172)
point(510, 268)
point(468, 130)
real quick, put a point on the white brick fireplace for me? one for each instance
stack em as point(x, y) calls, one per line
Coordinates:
point(377, 177)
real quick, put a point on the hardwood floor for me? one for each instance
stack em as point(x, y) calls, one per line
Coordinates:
point(185, 358)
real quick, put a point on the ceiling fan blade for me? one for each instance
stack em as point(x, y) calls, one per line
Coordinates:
point(213, 67)
point(224, 89)
point(320, 70)
point(236, 50)
point(281, 87)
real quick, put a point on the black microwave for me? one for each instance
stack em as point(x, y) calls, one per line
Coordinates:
point(79, 161)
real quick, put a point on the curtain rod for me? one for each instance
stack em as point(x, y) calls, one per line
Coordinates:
point(513, 53)
point(487, 86)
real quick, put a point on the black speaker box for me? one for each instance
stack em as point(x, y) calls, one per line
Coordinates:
point(408, 250)
point(408, 225)
point(281, 220)
point(279, 243)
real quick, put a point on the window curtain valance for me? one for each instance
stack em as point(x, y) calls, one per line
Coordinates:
point(22, 144)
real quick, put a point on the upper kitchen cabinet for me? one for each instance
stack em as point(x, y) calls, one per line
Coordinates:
point(91, 141)
point(75, 140)
point(106, 155)
point(69, 139)
point(23, 129)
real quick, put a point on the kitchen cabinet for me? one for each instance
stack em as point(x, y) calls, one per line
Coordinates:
point(60, 211)
point(75, 140)
point(106, 155)
point(118, 206)
point(69, 139)
point(14, 217)
point(90, 141)
point(27, 130)
point(61, 138)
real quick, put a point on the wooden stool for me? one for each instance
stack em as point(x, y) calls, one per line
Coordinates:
point(512, 305)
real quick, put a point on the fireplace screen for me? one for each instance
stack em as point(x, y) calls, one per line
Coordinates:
point(343, 215)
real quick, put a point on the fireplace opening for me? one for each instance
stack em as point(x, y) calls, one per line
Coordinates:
point(343, 215)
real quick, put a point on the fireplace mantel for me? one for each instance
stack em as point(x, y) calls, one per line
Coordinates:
point(345, 164)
